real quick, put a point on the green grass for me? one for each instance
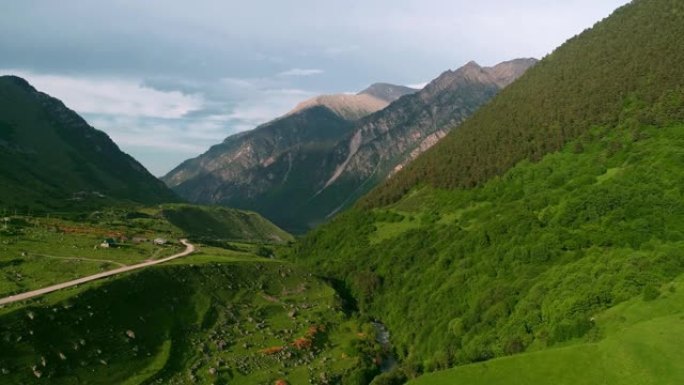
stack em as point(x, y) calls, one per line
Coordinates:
point(37, 252)
point(641, 345)
point(223, 224)
point(40, 251)
point(154, 367)
point(203, 319)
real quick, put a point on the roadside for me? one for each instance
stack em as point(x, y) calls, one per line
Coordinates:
point(189, 249)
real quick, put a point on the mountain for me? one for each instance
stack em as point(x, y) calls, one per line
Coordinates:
point(51, 158)
point(354, 107)
point(386, 141)
point(301, 168)
point(269, 169)
point(387, 92)
point(350, 107)
point(557, 204)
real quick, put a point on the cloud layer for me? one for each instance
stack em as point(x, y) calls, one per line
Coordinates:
point(166, 79)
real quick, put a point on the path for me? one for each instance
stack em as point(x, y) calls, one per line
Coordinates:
point(189, 248)
point(78, 259)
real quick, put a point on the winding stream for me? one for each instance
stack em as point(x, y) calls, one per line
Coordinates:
point(382, 336)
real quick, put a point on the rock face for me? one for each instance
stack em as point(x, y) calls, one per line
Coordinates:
point(387, 92)
point(302, 168)
point(354, 107)
point(350, 107)
point(271, 169)
point(386, 141)
point(50, 158)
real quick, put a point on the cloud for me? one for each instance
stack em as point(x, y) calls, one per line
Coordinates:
point(301, 72)
point(418, 86)
point(121, 97)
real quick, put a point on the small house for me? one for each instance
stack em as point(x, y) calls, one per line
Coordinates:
point(107, 243)
point(159, 241)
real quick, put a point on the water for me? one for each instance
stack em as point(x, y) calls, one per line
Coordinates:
point(382, 336)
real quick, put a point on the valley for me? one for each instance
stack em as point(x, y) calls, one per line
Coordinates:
point(515, 223)
point(162, 310)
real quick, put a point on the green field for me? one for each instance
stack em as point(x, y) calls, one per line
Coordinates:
point(37, 252)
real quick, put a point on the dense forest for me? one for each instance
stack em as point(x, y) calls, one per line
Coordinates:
point(626, 69)
point(558, 200)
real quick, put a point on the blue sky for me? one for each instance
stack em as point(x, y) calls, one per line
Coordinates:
point(167, 79)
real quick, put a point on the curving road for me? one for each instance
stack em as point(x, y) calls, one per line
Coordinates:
point(189, 248)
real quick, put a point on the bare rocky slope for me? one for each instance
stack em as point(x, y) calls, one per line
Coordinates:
point(300, 169)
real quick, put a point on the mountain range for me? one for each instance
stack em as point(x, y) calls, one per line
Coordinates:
point(302, 168)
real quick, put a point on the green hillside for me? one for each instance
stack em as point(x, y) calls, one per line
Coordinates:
point(642, 346)
point(557, 201)
point(223, 224)
point(627, 69)
point(51, 159)
point(523, 262)
point(39, 251)
point(215, 317)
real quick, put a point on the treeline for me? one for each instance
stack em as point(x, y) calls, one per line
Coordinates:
point(627, 69)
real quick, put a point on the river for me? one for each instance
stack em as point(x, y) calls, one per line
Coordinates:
point(382, 336)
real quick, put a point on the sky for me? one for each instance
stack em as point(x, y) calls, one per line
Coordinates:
point(166, 79)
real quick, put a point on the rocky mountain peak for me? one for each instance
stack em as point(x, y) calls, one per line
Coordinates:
point(387, 92)
point(505, 73)
point(350, 107)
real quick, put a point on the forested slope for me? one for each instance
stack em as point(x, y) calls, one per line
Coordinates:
point(625, 69)
point(560, 199)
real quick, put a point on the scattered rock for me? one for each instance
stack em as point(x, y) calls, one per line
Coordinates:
point(130, 334)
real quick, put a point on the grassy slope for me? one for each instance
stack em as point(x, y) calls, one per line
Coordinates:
point(39, 251)
point(220, 223)
point(642, 346)
point(210, 313)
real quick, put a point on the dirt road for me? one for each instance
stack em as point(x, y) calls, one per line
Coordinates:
point(189, 248)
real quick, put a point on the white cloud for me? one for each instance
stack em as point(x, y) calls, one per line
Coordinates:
point(120, 97)
point(301, 72)
point(418, 86)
